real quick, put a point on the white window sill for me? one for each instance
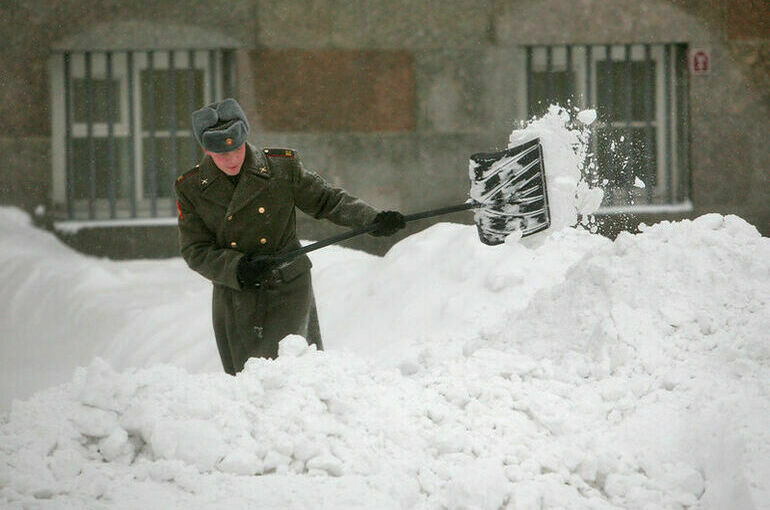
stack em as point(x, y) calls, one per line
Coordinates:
point(74, 226)
point(647, 208)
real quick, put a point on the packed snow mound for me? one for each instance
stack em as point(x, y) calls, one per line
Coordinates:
point(439, 284)
point(635, 377)
point(61, 308)
point(139, 313)
point(701, 285)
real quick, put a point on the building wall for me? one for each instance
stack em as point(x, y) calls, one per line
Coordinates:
point(388, 99)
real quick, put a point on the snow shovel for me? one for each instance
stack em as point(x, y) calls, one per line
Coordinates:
point(508, 191)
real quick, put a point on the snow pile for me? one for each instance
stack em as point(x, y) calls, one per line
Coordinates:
point(701, 285)
point(673, 325)
point(631, 374)
point(60, 309)
point(441, 283)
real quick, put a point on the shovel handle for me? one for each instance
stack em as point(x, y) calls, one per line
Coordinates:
point(284, 257)
point(470, 204)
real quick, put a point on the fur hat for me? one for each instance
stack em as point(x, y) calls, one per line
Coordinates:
point(220, 127)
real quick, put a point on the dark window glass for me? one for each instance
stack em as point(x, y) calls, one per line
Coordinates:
point(162, 81)
point(612, 80)
point(622, 156)
point(105, 97)
point(562, 90)
point(167, 167)
point(82, 170)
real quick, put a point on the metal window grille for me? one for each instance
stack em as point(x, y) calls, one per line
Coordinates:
point(640, 93)
point(126, 126)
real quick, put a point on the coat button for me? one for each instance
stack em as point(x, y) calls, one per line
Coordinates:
point(261, 210)
point(262, 241)
point(230, 218)
point(234, 244)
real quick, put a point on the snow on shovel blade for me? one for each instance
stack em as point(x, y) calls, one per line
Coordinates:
point(509, 188)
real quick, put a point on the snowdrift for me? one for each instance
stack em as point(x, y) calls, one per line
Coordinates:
point(60, 309)
point(583, 373)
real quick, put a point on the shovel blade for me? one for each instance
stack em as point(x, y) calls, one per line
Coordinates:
point(510, 188)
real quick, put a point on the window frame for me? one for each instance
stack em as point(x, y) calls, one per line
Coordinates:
point(671, 162)
point(214, 63)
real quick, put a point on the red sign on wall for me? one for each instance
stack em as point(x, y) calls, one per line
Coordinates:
point(700, 61)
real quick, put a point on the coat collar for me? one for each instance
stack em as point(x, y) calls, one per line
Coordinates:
point(215, 186)
point(255, 175)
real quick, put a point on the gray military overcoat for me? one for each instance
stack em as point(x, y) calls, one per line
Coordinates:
point(219, 223)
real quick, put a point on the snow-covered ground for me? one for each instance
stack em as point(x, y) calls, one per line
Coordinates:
point(566, 371)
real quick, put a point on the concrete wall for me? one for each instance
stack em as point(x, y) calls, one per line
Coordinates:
point(426, 84)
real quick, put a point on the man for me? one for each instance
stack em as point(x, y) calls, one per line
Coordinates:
point(238, 205)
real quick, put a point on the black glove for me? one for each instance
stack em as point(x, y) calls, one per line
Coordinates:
point(252, 269)
point(390, 222)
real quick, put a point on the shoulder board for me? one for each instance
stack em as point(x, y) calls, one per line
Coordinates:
point(188, 173)
point(279, 153)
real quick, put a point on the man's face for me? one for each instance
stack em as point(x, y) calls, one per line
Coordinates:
point(229, 162)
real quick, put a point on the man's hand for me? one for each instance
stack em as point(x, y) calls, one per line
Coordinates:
point(389, 222)
point(252, 269)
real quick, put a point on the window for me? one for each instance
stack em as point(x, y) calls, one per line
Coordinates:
point(640, 93)
point(121, 127)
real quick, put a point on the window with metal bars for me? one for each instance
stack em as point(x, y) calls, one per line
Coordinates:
point(640, 139)
point(121, 127)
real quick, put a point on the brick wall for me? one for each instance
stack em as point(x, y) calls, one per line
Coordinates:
point(334, 90)
point(748, 19)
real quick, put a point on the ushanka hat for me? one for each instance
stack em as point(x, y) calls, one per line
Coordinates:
point(220, 127)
